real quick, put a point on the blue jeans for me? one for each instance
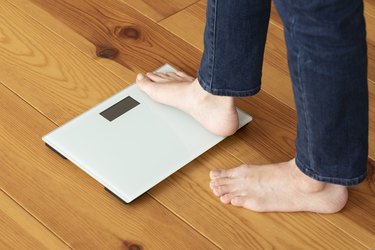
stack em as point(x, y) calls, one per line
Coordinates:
point(327, 56)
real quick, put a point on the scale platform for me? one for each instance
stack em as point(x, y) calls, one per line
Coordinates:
point(129, 143)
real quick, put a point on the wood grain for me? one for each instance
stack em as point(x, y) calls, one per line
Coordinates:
point(370, 7)
point(73, 82)
point(158, 10)
point(66, 200)
point(124, 35)
point(19, 230)
point(196, 198)
point(196, 17)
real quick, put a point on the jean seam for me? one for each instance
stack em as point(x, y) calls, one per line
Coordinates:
point(213, 42)
point(302, 100)
point(302, 94)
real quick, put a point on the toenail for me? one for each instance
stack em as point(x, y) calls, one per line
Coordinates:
point(140, 77)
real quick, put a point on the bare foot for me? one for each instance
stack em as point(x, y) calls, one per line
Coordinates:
point(276, 188)
point(216, 113)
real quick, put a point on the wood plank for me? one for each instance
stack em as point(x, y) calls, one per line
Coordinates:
point(120, 33)
point(20, 230)
point(158, 10)
point(196, 17)
point(275, 18)
point(370, 7)
point(189, 24)
point(66, 200)
point(198, 210)
point(83, 84)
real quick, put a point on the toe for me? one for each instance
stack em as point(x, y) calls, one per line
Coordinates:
point(173, 75)
point(216, 173)
point(161, 74)
point(227, 198)
point(238, 201)
point(220, 181)
point(255, 204)
point(184, 75)
point(181, 73)
point(143, 80)
point(158, 77)
point(228, 173)
point(221, 190)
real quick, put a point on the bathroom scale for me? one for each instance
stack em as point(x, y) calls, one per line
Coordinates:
point(129, 143)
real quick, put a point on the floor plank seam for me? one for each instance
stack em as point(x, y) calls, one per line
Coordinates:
point(342, 230)
point(157, 21)
point(41, 223)
point(28, 103)
point(186, 222)
point(197, 1)
point(280, 27)
point(71, 43)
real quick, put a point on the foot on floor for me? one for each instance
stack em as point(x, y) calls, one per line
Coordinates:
point(276, 188)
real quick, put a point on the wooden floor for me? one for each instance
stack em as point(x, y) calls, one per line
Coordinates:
point(61, 57)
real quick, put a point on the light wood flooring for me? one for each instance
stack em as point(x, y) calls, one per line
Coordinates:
point(60, 57)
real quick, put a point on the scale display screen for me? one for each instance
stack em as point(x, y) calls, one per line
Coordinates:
point(120, 108)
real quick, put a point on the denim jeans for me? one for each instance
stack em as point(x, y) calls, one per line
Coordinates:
point(327, 57)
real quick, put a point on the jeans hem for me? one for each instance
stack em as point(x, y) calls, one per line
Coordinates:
point(332, 180)
point(227, 92)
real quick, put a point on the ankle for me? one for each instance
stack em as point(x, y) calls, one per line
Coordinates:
point(199, 92)
point(203, 95)
point(303, 182)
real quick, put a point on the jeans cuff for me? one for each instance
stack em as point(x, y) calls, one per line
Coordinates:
point(226, 92)
point(332, 180)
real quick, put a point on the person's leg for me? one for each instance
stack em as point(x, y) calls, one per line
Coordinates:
point(328, 64)
point(327, 57)
point(231, 66)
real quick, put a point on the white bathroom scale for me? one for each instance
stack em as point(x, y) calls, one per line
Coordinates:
point(129, 143)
